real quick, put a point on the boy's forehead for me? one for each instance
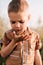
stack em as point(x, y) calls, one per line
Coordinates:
point(16, 16)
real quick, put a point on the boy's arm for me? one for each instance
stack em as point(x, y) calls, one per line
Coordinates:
point(7, 46)
point(38, 60)
point(6, 50)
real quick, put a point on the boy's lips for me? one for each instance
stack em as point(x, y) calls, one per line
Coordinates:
point(17, 29)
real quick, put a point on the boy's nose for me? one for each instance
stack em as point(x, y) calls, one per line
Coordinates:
point(18, 24)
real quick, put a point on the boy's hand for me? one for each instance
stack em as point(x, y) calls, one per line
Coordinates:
point(17, 38)
point(26, 37)
point(20, 38)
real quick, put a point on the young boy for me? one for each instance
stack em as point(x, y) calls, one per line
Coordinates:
point(20, 44)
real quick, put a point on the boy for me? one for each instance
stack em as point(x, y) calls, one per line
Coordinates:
point(20, 44)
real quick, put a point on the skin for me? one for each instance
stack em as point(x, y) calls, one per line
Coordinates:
point(38, 60)
point(18, 23)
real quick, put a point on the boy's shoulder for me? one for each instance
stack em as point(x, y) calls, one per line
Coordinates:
point(33, 32)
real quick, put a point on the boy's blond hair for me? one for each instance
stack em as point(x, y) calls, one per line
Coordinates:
point(17, 5)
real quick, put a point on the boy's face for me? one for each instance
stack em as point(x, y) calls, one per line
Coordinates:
point(18, 21)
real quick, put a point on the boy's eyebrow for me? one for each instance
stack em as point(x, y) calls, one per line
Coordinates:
point(18, 20)
point(12, 21)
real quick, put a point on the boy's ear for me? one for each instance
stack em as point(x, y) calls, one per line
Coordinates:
point(29, 17)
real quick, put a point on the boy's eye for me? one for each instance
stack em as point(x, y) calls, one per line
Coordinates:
point(13, 22)
point(21, 21)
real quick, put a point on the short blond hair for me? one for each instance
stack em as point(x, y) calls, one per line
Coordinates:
point(17, 5)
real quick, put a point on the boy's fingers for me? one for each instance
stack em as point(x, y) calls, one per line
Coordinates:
point(26, 37)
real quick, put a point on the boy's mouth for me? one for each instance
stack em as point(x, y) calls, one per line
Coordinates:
point(18, 31)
